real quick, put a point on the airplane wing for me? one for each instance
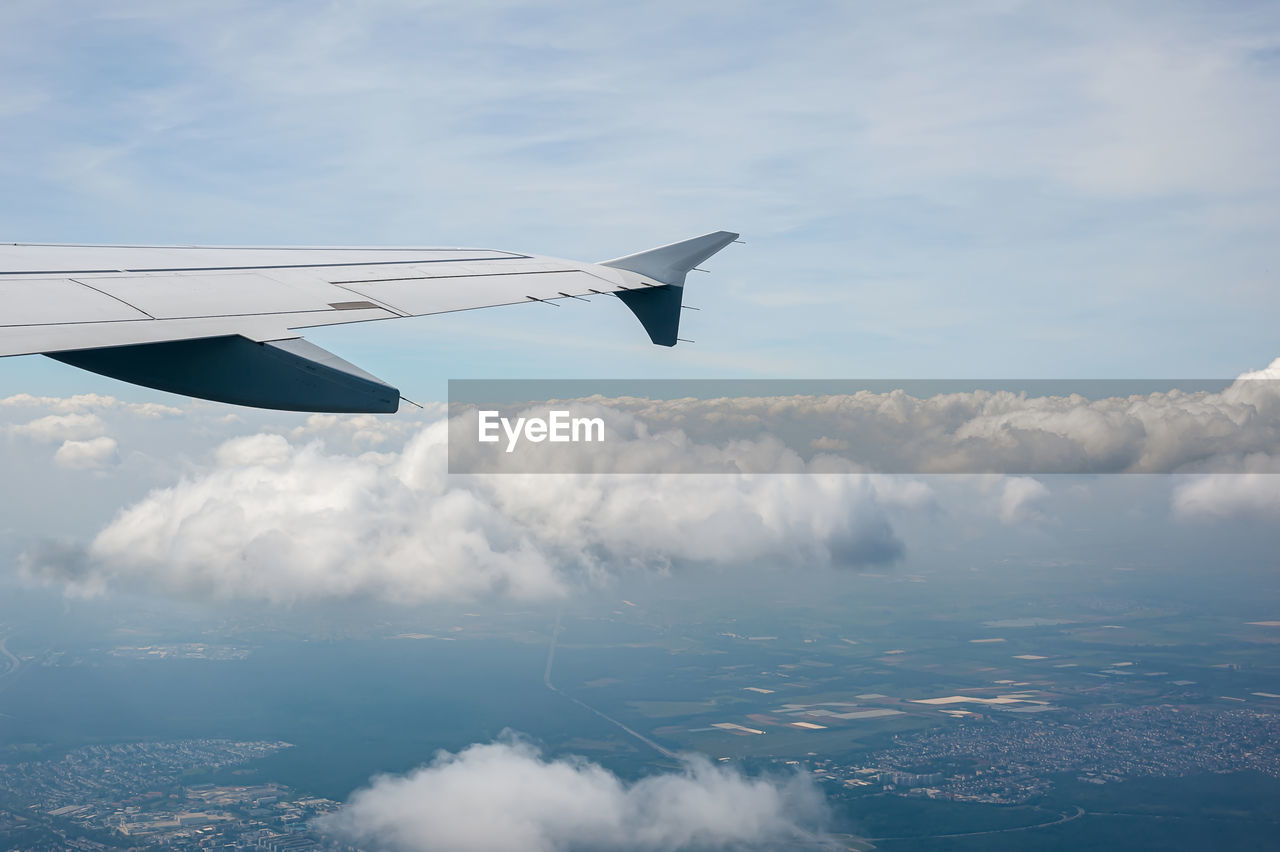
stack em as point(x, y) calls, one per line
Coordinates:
point(223, 323)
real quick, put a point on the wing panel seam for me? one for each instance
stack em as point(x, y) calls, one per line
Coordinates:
point(282, 314)
point(267, 266)
point(112, 296)
point(447, 277)
point(387, 306)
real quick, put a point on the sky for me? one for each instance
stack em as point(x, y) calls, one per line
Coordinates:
point(988, 189)
point(985, 189)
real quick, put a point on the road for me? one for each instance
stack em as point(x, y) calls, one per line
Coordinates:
point(546, 678)
point(666, 752)
point(1059, 821)
point(14, 662)
point(9, 676)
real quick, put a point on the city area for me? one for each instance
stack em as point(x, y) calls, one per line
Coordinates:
point(134, 796)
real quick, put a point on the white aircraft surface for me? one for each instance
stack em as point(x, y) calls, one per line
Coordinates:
point(223, 323)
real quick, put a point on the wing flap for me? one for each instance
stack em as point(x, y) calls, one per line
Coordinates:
point(439, 295)
point(213, 294)
point(43, 301)
point(69, 337)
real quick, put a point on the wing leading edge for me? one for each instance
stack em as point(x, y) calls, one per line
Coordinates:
point(222, 323)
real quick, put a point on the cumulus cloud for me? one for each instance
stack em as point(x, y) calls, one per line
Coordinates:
point(825, 443)
point(61, 427)
point(286, 517)
point(62, 562)
point(277, 519)
point(970, 432)
point(286, 522)
point(92, 454)
point(59, 404)
point(363, 430)
point(87, 402)
point(506, 795)
point(1246, 484)
point(1018, 498)
point(1226, 495)
point(77, 424)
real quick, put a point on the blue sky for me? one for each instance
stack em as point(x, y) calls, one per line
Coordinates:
point(927, 190)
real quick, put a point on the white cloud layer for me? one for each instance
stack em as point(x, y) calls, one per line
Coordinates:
point(61, 427)
point(506, 795)
point(92, 454)
point(971, 432)
point(272, 519)
point(87, 402)
point(1018, 499)
point(1229, 495)
point(283, 516)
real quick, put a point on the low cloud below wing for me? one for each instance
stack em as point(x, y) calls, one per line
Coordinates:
point(506, 795)
point(285, 520)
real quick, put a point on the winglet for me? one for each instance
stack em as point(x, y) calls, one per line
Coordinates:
point(658, 308)
point(669, 264)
